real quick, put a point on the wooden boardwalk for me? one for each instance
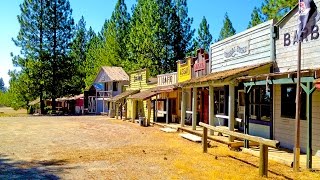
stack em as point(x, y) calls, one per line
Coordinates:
point(282, 156)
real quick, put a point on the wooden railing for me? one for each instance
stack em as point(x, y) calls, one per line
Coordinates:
point(264, 144)
point(104, 94)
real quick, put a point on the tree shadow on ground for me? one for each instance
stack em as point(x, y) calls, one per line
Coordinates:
point(10, 169)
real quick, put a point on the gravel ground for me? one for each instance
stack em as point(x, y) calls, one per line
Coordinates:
point(94, 147)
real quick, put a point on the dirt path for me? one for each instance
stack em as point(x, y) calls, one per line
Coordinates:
point(99, 148)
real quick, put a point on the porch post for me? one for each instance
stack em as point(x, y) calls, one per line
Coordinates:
point(231, 109)
point(246, 115)
point(117, 110)
point(183, 107)
point(133, 110)
point(149, 112)
point(167, 109)
point(156, 110)
point(309, 91)
point(211, 108)
point(194, 108)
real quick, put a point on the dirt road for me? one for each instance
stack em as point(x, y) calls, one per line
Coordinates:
point(94, 147)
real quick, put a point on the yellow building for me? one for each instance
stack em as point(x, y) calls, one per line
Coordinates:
point(140, 104)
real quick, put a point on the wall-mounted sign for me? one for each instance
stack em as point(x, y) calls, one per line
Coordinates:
point(199, 66)
point(184, 71)
point(167, 79)
point(235, 50)
point(137, 78)
point(312, 33)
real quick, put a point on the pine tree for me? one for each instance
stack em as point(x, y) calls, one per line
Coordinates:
point(145, 47)
point(204, 37)
point(117, 34)
point(60, 33)
point(256, 18)
point(78, 54)
point(2, 87)
point(227, 29)
point(30, 39)
point(276, 9)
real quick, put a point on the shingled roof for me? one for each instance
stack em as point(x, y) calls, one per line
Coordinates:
point(109, 74)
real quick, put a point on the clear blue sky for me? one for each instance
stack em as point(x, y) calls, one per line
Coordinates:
point(96, 11)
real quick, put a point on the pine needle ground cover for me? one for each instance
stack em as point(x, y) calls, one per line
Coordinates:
point(94, 147)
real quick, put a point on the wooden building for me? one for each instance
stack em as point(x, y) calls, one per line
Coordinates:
point(109, 82)
point(248, 53)
point(167, 100)
point(282, 83)
point(138, 104)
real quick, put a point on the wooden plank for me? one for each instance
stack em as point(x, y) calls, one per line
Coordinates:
point(205, 140)
point(191, 137)
point(268, 142)
point(168, 130)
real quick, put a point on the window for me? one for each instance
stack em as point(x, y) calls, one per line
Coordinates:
point(115, 86)
point(259, 104)
point(219, 102)
point(288, 102)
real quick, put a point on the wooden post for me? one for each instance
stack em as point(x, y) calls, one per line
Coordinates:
point(149, 113)
point(117, 110)
point(183, 108)
point(263, 165)
point(194, 108)
point(133, 110)
point(298, 107)
point(211, 108)
point(167, 110)
point(156, 109)
point(231, 109)
point(121, 107)
point(205, 140)
point(246, 116)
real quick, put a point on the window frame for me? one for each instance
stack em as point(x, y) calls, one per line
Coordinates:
point(256, 101)
point(285, 102)
point(115, 85)
point(218, 104)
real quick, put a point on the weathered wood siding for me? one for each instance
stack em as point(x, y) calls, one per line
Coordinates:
point(285, 127)
point(286, 49)
point(139, 80)
point(250, 47)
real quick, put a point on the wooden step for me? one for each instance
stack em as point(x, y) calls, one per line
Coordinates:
point(191, 137)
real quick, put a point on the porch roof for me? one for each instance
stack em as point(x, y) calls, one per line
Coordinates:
point(143, 95)
point(307, 75)
point(223, 75)
point(161, 89)
point(123, 95)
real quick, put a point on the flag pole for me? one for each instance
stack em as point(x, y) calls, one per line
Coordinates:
point(296, 163)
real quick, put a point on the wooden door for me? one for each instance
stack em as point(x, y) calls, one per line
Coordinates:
point(205, 106)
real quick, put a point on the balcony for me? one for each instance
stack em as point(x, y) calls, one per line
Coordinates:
point(104, 94)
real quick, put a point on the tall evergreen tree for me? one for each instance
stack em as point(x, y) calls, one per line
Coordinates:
point(204, 37)
point(2, 88)
point(227, 29)
point(31, 40)
point(256, 18)
point(275, 9)
point(117, 34)
point(184, 34)
point(145, 46)
point(78, 54)
point(59, 34)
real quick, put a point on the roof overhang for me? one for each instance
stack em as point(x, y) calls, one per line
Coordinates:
point(123, 95)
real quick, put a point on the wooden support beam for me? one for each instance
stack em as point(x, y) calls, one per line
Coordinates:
point(167, 110)
point(205, 140)
point(263, 165)
point(156, 110)
point(231, 110)
point(117, 110)
point(183, 108)
point(211, 108)
point(147, 123)
point(267, 142)
point(194, 108)
point(246, 115)
point(309, 122)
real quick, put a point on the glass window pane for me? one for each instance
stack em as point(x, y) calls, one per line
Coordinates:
point(265, 112)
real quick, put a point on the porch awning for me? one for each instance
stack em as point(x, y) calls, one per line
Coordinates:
point(223, 75)
point(162, 89)
point(123, 95)
point(143, 95)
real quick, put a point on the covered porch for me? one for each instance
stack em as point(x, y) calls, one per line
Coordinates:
point(120, 103)
point(283, 86)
